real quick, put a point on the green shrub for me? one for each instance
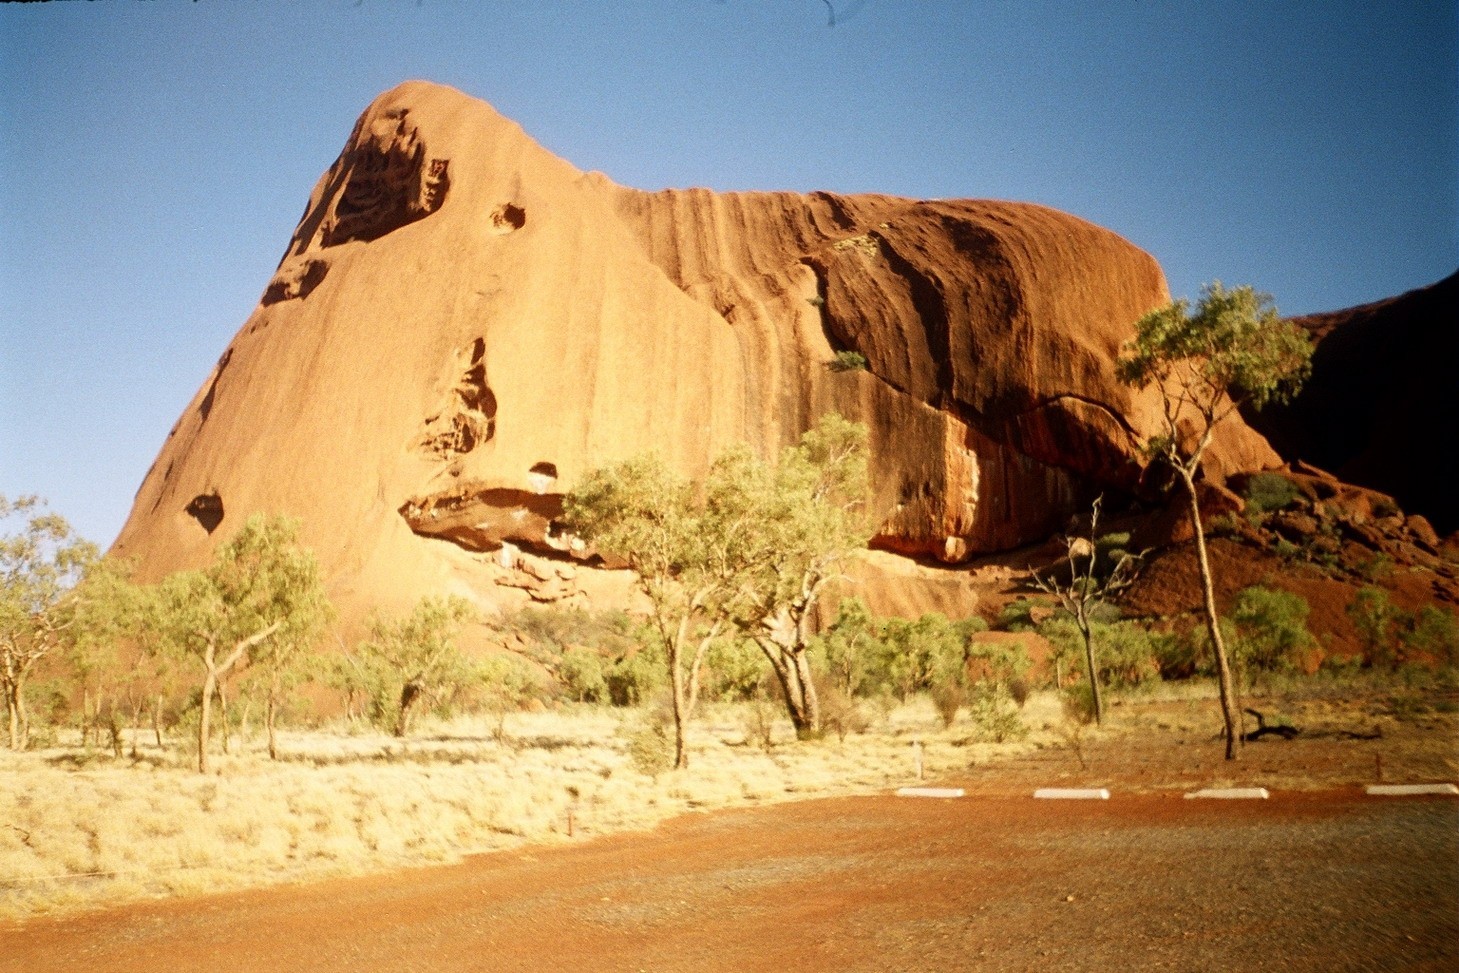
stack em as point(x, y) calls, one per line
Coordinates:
point(947, 698)
point(584, 675)
point(506, 683)
point(1125, 652)
point(995, 715)
point(1001, 662)
point(1015, 616)
point(1270, 492)
point(1434, 634)
point(650, 741)
point(637, 675)
point(735, 669)
point(848, 651)
point(1077, 702)
point(848, 361)
point(841, 713)
point(1378, 622)
point(1376, 568)
point(1180, 655)
point(1272, 634)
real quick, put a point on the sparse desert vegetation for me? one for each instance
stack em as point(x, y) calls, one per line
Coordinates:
point(84, 827)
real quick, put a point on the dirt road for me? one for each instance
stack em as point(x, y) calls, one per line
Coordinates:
point(1328, 881)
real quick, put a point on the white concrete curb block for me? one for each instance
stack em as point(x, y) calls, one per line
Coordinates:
point(1232, 793)
point(1397, 790)
point(1073, 793)
point(929, 792)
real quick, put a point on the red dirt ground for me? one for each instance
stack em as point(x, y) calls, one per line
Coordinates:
point(1305, 881)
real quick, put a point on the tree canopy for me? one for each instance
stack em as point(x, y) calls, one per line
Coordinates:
point(747, 549)
point(41, 564)
point(260, 600)
point(1234, 349)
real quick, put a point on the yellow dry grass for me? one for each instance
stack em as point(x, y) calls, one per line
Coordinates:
point(80, 829)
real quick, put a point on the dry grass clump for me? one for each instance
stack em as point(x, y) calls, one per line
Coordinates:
point(81, 829)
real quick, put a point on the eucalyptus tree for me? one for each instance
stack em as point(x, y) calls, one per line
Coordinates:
point(749, 548)
point(42, 561)
point(1232, 350)
point(260, 602)
point(414, 662)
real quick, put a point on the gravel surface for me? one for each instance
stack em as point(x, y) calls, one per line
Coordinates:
point(1326, 881)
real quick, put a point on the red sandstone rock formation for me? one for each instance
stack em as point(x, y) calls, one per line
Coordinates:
point(464, 324)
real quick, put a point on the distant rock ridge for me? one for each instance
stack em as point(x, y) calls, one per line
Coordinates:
point(464, 324)
point(1381, 409)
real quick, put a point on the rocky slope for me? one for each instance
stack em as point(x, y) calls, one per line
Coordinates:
point(464, 324)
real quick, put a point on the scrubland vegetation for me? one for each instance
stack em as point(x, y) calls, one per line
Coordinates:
point(207, 732)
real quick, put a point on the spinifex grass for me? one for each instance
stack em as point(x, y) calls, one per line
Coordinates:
point(80, 828)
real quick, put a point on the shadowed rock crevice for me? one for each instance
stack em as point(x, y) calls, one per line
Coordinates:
point(205, 408)
point(508, 218)
point(468, 418)
point(385, 179)
point(295, 279)
point(207, 510)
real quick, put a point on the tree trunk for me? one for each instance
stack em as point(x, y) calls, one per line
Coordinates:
point(676, 683)
point(223, 715)
point(1229, 711)
point(114, 728)
point(157, 720)
point(204, 715)
point(1093, 671)
point(12, 709)
point(409, 693)
point(789, 679)
point(87, 722)
point(810, 704)
point(24, 716)
point(268, 717)
point(137, 705)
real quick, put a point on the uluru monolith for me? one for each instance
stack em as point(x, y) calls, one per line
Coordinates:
point(464, 324)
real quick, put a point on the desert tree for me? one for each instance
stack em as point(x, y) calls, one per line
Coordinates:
point(114, 660)
point(748, 549)
point(261, 601)
point(638, 510)
point(1091, 581)
point(1232, 351)
point(808, 519)
point(42, 560)
point(414, 662)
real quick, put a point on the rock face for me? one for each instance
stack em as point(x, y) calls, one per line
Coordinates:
point(1379, 409)
point(464, 324)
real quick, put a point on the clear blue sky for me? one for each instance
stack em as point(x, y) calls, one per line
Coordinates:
point(155, 156)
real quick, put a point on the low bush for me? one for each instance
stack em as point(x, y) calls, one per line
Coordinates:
point(1272, 634)
point(994, 714)
point(1270, 492)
